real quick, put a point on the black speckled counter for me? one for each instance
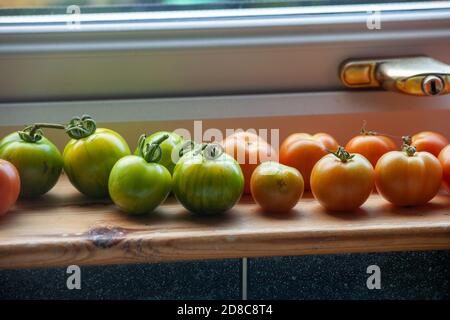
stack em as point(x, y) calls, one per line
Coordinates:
point(219, 279)
point(404, 275)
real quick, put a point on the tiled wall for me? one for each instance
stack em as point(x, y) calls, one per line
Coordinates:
point(405, 275)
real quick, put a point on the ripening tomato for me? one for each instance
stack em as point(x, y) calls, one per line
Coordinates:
point(371, 145)
point(341, 181)
point(9, 186)
point(302, 151)
point(444, 158)
point(207, 181)
point(429, 141)
point(91, 154)
point(37, 160)
point(138, 184)
point(167, 146)
point(249, 150)
point(408, 178)
point(276, 187)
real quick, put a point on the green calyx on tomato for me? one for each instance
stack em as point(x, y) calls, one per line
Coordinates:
point(208, 181)
point(37, 160)
point(81, 127)
point(407, 147)
point(91, 154)
point(410, 150)
point(169, 148)
point(138, 185)
point(342, 154)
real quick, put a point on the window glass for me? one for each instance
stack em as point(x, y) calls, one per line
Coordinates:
point(33, 7)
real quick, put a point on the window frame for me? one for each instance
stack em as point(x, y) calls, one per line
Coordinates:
point(221, 52)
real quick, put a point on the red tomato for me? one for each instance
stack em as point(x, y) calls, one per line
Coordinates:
point(371, 145)
point(429, 141)
point(249, 150)
point(9, 186)
point(444, 158)
point(341, 181)
point(302, 151)
point(408, 178)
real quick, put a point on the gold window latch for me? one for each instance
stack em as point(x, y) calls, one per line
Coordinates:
point(419, 76)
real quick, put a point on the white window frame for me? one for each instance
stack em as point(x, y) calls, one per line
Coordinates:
point(207, 53)
point(209, 64)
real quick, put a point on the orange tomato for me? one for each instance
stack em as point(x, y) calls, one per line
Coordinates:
point(444, 158)
point(341, 181)
point(371, 145)
point(249, 150)
point(408, 178)
point(302, 151)
point(9, 186)
point(276, 187)
point(429, 141)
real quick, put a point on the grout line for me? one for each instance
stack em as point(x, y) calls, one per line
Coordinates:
point(244, 278)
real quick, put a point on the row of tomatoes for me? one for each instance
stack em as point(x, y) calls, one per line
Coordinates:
point(99, 163)
point(204, 179)
point(342, 179)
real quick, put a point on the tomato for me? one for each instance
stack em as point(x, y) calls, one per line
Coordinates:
point(429, 141)
point(167, 146)
point(138, 184)
point(249, 150)
point(408, 178)
point(341, 181)
point(276, 187)
point(90, 156)
point(302, 151)
point(9, 186)
point(207, 180)
point(371, 145)
point(444, 158)
point(37, 160)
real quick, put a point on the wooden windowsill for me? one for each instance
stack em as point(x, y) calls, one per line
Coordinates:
point(65, 228)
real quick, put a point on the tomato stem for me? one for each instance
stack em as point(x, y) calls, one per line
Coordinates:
point(365, 132)
point(77, 128)
point(407, 140)
point(33, 133)
point(151, 152)
point(342, 154)
point(141, 143)
point(212, 151)
point(81, 127)
point(410, 150)
point(186, 147)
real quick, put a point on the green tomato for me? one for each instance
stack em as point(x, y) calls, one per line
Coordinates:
point(206, 185)
point(88, 161)
point(167, 146)
point(39, 163)
point(137, 186)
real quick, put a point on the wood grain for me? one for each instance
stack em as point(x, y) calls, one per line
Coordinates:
point(65, 228)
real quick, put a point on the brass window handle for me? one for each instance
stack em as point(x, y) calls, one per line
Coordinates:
point(419, 76)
